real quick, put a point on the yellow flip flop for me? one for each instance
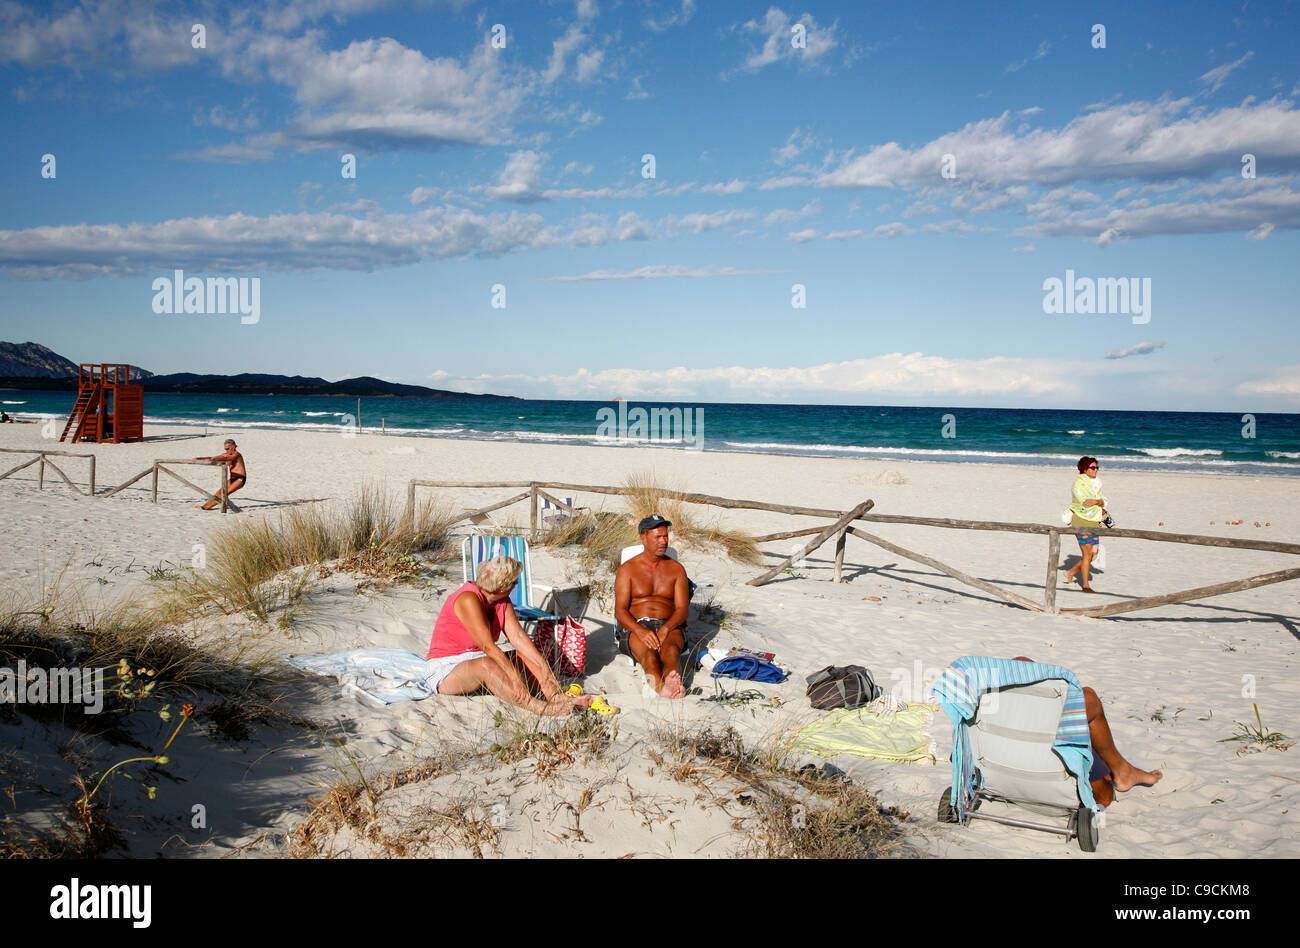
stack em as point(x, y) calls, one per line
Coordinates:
point(601, 706)
point(575, 690)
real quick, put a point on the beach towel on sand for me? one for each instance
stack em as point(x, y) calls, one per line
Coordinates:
point(387, 675)
point(903, 736)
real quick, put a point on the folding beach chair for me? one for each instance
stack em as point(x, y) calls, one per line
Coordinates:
point(478, 548)
point(1013, 740)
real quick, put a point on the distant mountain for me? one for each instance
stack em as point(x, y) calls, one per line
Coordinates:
point(32, 360)
point(256, 384)
point(32, 366)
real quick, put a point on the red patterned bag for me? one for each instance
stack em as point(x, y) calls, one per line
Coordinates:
point(564, 646)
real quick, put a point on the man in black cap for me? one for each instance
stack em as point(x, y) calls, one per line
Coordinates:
point(651, 602)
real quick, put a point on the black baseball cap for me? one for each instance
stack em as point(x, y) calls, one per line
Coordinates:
point(652, 522)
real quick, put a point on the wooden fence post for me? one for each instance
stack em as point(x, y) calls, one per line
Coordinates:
point(839, 554)
point(225, 480)
point(155, 482)
point(532, 517)
point(42, 478)
point(1053, 560)
point(92, 475)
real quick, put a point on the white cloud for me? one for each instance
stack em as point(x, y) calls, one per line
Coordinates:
point(1038, 54)
point(845, 234)
point(1284, 382)
point(658, 271)
point(776, 29)
point(785, 215)
point(519, 179)
point(1152, 140)
point(1142, 348)
point(589, 64)
point(802, 236)
point(1217, 76)
point(669, 20)
point(1260, 232)
point(734, 186)
point(913, 375)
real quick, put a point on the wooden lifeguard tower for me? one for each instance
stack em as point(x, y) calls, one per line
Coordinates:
point(109, 409)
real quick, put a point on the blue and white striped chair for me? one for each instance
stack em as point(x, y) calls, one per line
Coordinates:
point(478, 548)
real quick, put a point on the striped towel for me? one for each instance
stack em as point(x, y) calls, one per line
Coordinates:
point(959, 691)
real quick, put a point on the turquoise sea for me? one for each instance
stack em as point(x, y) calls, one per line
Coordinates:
point(1125, 440)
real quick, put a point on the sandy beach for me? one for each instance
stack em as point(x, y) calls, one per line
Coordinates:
point(1174, 680)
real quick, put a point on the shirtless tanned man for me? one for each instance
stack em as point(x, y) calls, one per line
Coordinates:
point(651, 603)
point(238, 473)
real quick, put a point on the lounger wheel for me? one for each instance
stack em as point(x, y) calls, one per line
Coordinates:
point(1089, 831)
point(946, 812)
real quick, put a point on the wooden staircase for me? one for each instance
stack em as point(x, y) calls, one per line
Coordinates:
point(83, 411)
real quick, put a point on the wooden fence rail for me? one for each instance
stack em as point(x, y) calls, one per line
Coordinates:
point(158, 466)
point(44, 458)
point(843, 525)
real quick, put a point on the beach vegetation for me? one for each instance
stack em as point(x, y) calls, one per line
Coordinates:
point(1255, 738)
point(146, 675)
point(785, 813)
point(266, 567)
point(648, 495)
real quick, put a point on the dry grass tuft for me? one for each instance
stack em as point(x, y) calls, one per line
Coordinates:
point(253, 566)
point(799, 814)
point(647, 495)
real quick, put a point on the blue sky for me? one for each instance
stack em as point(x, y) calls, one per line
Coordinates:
point(797, 144)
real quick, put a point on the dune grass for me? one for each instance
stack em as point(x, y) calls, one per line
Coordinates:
point(803, 814)
point(257, 566)
point(149, 672)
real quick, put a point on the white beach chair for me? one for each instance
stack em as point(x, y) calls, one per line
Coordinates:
point(1011, 738)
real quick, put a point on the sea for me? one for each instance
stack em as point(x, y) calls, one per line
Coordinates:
point(1261, 444)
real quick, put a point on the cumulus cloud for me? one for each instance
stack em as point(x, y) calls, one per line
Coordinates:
point(680, 16)
point(1142, 348)
point(776, 31)
point(519, 179)
point(801, 236)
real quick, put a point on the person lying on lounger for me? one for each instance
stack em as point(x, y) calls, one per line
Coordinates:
point(464, 655)
point(651, 602)
point(1110, 771)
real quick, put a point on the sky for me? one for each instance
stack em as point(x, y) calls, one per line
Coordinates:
point(843, 203)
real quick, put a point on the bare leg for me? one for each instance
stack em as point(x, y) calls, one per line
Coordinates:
point(470, 676)
point(670, 661)
point(1124, 774)
point(647, 658)
point(1085, 564)
point(215, 499)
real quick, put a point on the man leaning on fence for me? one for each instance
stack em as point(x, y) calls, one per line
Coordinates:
point(238, 473)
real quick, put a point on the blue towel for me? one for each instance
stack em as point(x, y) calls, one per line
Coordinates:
point(959, 691)
point(388, 675)
point(749, 669)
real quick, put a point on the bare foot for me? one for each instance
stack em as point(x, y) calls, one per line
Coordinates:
point(672, 686)
point(1128, 777)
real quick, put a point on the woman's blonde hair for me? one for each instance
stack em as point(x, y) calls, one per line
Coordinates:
point(498, 574)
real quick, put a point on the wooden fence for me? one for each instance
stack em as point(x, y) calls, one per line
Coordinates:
point(843, 526)
point(44, 458)
point(157, 466)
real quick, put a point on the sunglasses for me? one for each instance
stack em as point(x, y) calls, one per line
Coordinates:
point(1091, 467)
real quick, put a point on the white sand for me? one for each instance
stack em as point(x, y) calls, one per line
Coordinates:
point(1191, 665)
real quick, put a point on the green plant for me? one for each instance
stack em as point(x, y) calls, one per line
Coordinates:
point(1255, 737)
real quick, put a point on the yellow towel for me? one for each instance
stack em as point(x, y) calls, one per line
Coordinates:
point(903, 737)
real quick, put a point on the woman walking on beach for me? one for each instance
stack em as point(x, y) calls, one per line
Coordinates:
point(1087, 509)
point(464, 656)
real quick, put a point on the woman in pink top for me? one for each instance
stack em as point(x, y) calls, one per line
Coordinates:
point(464, 655)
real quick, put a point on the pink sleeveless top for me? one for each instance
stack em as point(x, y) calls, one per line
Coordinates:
point(450, 637)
